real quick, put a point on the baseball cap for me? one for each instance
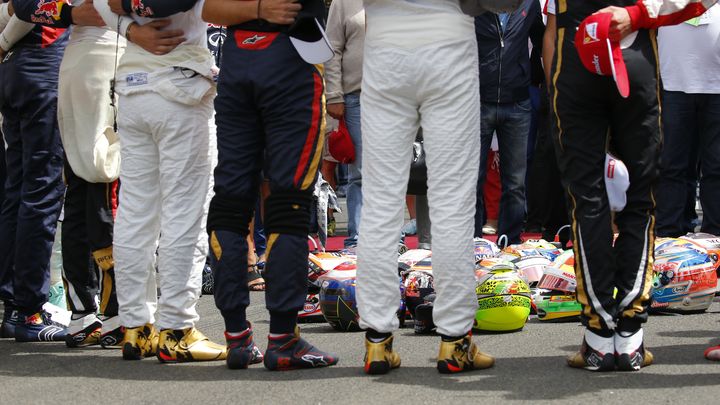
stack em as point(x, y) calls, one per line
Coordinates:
point(617, 181)
point(600, 55)
point(340, 144)
point(307, 34)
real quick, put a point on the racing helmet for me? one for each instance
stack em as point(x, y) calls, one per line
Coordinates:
point(484, 249)
point(418, 284)
point(555, 298)
point(685, 279)
point(337, 299)
point(503, 297)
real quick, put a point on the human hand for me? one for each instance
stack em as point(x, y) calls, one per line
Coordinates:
point(278, 11)
point(620, 24)
point(336, 110)
point(116, 7)
point(151, 38)
point(85, 14)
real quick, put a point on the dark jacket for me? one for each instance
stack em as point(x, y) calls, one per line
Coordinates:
point(505, 72)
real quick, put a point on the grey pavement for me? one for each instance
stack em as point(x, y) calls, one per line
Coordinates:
point(530, 367)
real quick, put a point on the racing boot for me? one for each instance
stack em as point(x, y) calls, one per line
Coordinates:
point(112, 333)
point(596, 353)
point(291, 352)
point(140, 342)
point(241, 350)
point(461, 354)
point(84, 331)
point(39, 327)
point(630, 352)
point(183, 345)
point(380, 357)
point(10, 320)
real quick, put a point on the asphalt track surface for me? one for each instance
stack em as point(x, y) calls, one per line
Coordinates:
point(530, 367)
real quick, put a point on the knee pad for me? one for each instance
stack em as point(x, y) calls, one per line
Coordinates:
point(230, 214)
point(288, 212)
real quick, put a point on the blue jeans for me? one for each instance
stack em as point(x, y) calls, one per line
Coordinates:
point(691, 126)
point(354, 192)
point(511, 122)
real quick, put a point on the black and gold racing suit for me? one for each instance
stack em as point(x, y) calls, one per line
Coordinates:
point(591, 118)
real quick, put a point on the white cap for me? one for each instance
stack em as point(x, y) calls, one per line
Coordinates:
point(617, 181)
point(309, 39)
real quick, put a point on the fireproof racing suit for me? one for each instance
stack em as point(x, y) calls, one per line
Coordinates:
point(34, 159)
point(85, 117)
point(270, 116)
point(163, 126)
point(420, 70)
point(587, 123)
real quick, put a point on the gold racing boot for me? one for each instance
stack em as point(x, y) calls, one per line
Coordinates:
point(140, 342)
point(380, 357)
point(462, 355)
point(183, 345)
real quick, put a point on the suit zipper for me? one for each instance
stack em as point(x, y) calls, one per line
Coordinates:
point(502, 46)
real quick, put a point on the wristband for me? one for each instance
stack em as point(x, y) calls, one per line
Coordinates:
point(66, 14)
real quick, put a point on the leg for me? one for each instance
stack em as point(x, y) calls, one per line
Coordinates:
point(9, 208)
point(512, 130)
point(488, 122)
point(137, 226)
point(184, 169)
point(710, 163)
point(388, 104)
point(354, 193)
point(451, 126)
point(680, 132)
point(79, 274)
point(101, 205)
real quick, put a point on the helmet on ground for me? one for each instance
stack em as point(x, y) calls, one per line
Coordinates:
point(411, 257)
point(555, 298)
point(418, 284)
point(685, 279)
point(337, 299)
point(710, 243)
point(545, 248)
point(484, 249)
point(321, 263)
point(311, 309)
point(503, 297)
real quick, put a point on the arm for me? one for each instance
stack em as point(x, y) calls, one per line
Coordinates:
point(548, 52)
point(537, 29)
point(15, 30)
point(650, 14)
point(654, 14)
point(232, 12)
point(56, 13)
point(151, 8)
point(4, 15)
point(149, 36)
point(333, 67)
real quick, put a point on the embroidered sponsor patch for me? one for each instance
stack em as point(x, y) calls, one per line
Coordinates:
point(137, 79)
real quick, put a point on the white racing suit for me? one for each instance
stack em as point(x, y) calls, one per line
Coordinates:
point(85, 116)
point(411, 80)
point(166, 103)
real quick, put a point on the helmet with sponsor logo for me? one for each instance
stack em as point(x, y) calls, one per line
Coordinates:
point(320, 264)
point(685, 278)
point(555, 297)
point(337, 298)
point(484, 249)
point(418, 284)
point(503, 297)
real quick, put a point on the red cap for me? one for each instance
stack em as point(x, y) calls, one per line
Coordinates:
point(598, 53)
point(340, 144)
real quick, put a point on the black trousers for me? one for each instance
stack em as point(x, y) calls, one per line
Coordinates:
point(546, 195)
point(590, 119)
point(87, 236)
